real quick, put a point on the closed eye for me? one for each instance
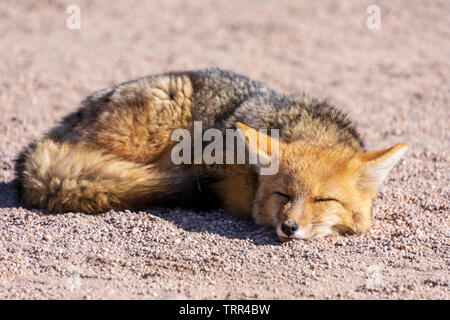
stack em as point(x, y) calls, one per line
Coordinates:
point(282, 195)
point(324, 199)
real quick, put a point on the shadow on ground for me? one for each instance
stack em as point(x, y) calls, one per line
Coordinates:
point(8, 195)
point(219, 222)
point(214, 221)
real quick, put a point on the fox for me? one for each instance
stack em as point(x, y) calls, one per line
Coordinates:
point(115, 153)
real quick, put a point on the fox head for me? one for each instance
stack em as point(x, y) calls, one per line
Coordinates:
point(318, 190)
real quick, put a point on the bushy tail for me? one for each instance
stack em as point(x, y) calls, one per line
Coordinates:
point(60, 177)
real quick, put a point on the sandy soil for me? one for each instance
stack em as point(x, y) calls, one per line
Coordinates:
point(395, 84)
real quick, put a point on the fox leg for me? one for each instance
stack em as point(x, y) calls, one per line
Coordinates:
point(236, 190)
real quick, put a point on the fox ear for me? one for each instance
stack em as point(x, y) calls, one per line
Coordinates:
point(260, 146)
point(376, 165)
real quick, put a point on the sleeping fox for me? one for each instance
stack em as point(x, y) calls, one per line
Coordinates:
point(116, 152)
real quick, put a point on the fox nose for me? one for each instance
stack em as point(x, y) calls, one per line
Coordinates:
point(289, 227)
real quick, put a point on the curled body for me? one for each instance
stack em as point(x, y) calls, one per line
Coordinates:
point(115, 153)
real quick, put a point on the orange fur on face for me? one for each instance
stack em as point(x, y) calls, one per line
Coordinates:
point(324, 190)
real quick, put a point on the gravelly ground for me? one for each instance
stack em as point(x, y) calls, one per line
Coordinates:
point(395, 84)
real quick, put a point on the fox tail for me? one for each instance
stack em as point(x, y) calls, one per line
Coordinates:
point(60, 177)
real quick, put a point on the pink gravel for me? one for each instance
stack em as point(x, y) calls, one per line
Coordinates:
point(394, 83)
